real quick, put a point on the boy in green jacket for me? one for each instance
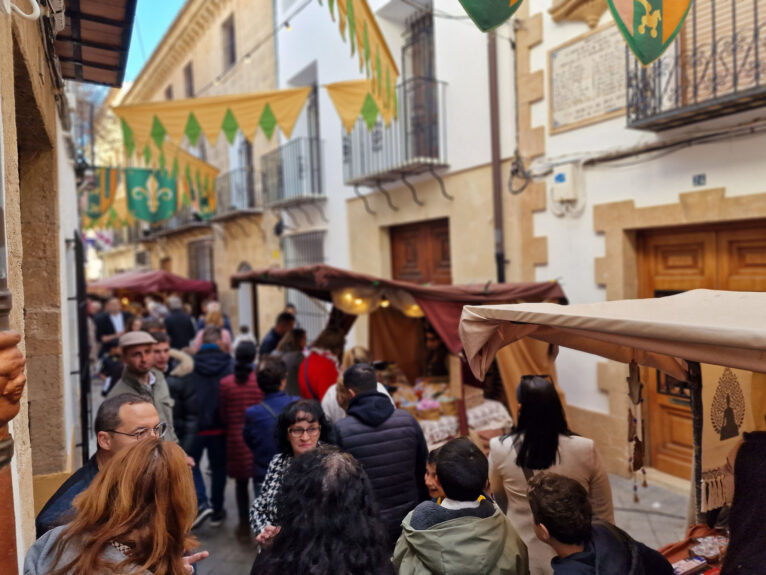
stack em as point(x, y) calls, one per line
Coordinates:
point(465, 533)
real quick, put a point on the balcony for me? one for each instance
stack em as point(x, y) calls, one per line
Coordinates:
point(292, 174)
point(716, 67)
point(413, 144)
point(238, 191)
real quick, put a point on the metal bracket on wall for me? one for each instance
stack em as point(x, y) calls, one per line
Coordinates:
point(384, 191)
point(319, 209)
point(364, 200)
point(413, 191)
point(438, 178)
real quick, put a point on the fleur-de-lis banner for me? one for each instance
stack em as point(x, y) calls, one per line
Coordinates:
point(489, 14)
point(101, 195)
point(649, 26)
point(152, 194)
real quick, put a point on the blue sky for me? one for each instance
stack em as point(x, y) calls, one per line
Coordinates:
point(153, 17)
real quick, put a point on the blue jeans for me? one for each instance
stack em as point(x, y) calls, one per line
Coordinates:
point(215, 445)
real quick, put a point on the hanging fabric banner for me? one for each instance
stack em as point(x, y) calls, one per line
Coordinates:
point(357, 98)
point(649, 26)
point(152, 194)
point(489, 14)
point(101, 192)
point(200, 192)
point(176, 119)
point(367, 42)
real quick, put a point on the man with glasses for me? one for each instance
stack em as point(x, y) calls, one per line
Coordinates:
point(121, 421)
point(139, 377)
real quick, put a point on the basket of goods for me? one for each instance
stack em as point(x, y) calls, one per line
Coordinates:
point(410, 406)
point(447, 404)
point(429, 409)
point(690, 566)
point(473, 396)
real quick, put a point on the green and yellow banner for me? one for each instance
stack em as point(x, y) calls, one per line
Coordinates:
point(102, 193)
point(178, 119)
point(357, 98)
point(489, 14)
point(367, 42)
point(649, 26)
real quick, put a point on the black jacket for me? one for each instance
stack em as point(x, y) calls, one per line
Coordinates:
point(390, 445)
point(58, 510)
point(210, 366)
point(180, 328)
point(184, 393)
point(611, 551)
point(104, 326)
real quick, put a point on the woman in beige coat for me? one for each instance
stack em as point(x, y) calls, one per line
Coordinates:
point(542, 441)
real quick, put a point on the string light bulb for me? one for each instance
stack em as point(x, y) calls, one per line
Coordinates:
point(287, 25)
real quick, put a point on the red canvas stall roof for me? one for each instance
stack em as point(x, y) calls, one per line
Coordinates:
point(150, 281)
point(442, 304)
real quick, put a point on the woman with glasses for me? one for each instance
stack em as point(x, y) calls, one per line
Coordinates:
point(301, 426)
point(135, 517)
point(542, 440)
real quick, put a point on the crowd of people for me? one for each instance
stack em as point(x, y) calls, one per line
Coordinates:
point(331, 478)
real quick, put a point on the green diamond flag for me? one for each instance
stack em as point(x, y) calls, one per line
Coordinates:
point(489, 14)
point(127, 138)
point(147, 155)
point(331, 5)
point(377, 69)
point(370, 112)
point(193, 130)
point(351, 25)
point(230, 126)
point(366, 49)
point(158, 132)
point(268, 121)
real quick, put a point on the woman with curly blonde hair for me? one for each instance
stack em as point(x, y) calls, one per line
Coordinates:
point(135, 518)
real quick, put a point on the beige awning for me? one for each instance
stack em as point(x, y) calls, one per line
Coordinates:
point(717, 327)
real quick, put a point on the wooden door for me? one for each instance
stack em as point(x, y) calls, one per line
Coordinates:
point(729, 257)
point(420, 253)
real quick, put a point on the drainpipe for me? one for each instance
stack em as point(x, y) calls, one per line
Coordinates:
point(497, 186)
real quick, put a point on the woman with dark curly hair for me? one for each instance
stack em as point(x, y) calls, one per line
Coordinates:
point(301, 426)
point(329, 520)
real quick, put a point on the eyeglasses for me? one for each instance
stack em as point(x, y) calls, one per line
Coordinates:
point(299, 431)
point(157, 431)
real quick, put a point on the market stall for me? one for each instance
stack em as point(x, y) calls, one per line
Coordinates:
point(400, 313)
point(145, 282)
point(713, 340)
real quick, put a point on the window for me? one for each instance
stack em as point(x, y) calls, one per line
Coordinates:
point(169, 93)
point(201, 260)
point(189, 81)
point(229, 43)
point(302, 250)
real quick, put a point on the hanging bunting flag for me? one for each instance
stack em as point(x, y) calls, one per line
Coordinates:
point(359, 98)
point(366, 40)
point(152, 194)
point(157, 122)
point(200, 192)
point(102, 192)
point(649, 26)
point(489, 14)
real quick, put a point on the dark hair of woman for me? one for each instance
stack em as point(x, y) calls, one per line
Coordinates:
point(332, 339)
point(292, 341)
point(540, 422)
point(329, 520)
point(244, 356)
point(307, 410)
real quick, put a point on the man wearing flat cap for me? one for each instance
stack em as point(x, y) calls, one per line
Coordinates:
point(140, 377)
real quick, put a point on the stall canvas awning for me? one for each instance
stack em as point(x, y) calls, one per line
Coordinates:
point(355, 293)
point(150, 281)
point(708, 326)
point(193, 117)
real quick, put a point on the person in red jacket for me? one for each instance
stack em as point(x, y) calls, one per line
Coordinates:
point(320, 369)
point(239, 391)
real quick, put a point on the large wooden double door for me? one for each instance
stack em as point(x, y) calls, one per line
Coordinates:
point(730, 257)
point(420, 253)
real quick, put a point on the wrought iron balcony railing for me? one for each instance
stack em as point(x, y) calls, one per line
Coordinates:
point(238, 190)
point(292, 173)
point(415, 142)
point(716, 67)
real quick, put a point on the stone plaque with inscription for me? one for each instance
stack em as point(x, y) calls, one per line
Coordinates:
point(587, 80)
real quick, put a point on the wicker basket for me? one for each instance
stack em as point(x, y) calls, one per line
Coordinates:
point(448, 407)
point(412, 408)
point(431, 414)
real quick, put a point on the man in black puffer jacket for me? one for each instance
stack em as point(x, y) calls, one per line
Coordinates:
point(211, 365)
point(389, 444)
